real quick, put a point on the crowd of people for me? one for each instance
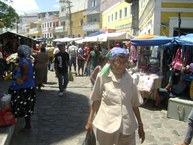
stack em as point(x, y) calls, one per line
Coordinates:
point(115, 97)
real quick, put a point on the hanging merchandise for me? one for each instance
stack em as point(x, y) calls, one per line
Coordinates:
point(133, 54)
point(177, 61)
point(145, 54)
point(154, 63)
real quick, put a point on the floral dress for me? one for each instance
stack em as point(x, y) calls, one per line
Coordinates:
point(23, 96)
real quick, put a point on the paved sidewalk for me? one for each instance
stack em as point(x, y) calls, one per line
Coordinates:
point(61, 120)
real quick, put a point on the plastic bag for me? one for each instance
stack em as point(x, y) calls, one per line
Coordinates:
point(70, 76)
point(90, 138)
point(6, 98)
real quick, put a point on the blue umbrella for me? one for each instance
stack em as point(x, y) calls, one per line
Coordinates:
point(184, 39)
point(155, 41)
point(96, 33)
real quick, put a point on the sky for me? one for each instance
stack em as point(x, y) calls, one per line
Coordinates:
point(30, 6)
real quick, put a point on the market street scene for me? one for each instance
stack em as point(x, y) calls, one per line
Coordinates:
point(96, 72)
point(62, 120)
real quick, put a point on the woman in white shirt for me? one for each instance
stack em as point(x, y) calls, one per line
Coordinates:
point(115, 101)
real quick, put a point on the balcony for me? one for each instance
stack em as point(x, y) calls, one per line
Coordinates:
point(92, 26)
point(60, 29)
point(34, 30)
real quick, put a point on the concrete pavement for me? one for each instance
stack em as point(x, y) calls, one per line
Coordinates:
point(61, 120)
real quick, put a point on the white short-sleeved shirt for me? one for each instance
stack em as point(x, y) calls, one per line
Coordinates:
point(117, 99)
point(72, 50)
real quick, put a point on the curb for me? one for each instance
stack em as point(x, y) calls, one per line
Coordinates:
point(6, 134)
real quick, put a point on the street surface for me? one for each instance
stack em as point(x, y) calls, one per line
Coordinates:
point(61, 120)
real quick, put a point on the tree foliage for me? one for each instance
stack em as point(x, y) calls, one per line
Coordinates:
point(8, 16)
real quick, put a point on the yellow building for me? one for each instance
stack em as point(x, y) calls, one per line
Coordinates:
point(165, 17)
point(176, 15)
point(118, 18)
point(78, 19)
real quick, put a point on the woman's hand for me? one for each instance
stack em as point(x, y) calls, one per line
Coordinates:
point(19, 81)
point(88, 126)
point(141, 133)
point(56, 74)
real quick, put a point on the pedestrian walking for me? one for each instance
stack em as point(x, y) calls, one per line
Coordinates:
point(189, 133)
point(22, 88)
point(93, 58)
point(115, 101)
point(41, 67)
point(61, 63)
point(103, 61)
point(72, 50)
point(87, 50)
point(81, 60)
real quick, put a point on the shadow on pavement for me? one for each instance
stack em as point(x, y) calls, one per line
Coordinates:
point(150, 105)
point(56, 119)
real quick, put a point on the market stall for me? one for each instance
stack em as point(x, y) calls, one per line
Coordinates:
point(66, 39)
point(9, 41)
point(149, 55)
point(106, 37)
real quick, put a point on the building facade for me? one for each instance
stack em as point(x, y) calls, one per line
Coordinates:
point(69, 8)
point(78, 20)
point(48, 24)
point(165, 17)
point(118, 18)
point(25, 22)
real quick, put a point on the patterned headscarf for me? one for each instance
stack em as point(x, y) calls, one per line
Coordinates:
point(24, 50)
point(111, 54)
point(117, 51)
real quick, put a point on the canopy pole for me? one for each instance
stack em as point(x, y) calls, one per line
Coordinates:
point(161, 60)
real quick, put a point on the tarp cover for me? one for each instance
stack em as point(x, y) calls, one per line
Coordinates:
point(151, 40)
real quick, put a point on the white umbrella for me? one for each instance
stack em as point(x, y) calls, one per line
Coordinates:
point(65, 39)
point(57, 39)
point(112, 36)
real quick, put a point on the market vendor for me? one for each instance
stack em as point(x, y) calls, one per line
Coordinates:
point(175, 87)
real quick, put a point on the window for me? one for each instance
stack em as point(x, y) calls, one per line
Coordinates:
point(93, 4)
point(115, 15)
point(120, 14)
point(125, 12)
point(63, 9)
point(130, 9)
point(81, 22)
point(108, 19)
point(50, 24)
point(112, 17)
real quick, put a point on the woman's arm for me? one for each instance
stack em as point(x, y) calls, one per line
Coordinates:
point(94, 109)
point(23, 74)
point(140, 124)
point(94, 74)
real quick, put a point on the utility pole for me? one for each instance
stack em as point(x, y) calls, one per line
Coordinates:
point(179, 24)
point(70, 15)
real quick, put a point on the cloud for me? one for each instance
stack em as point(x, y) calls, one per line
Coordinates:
point(22, 6)
point(56, 6)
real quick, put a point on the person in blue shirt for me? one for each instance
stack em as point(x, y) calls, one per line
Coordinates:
point(22, 88)
point(189, 133)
